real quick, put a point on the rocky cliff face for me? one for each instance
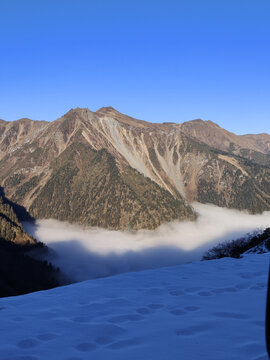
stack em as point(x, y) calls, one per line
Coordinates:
point(108, 169)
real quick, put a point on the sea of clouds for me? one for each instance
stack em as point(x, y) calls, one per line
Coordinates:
point(84, 253)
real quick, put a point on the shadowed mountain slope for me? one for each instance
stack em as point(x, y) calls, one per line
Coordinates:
point(20, 273)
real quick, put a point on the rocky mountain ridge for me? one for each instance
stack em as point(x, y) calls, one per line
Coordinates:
point(107, 169)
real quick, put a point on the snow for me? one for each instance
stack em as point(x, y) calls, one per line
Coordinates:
point(202, 310)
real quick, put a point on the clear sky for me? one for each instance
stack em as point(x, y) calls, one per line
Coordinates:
point(155, 60)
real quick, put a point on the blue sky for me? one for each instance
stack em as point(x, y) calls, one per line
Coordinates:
point(154, 60)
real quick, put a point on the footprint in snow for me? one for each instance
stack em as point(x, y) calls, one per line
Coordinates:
point(231, 315)
point(81, 319)
point(47, 336)
point(93, 306)
point(224, 290)
point(86, 346)
point(108, 330)
point(104, 340)
point(258, 273)
point(246, 275)
point(143, 311)
point(258, 323)
point(124, 318)
point(178, 312)
point(205, 293)
point(46, 314)
point(195, 329)
point(28, 343)
point(192, 308)
point(244, 285)
point(258, 286)
point(122, 344)
point(192, 289)
point(18, 319)
point(155, 306)
point(177, 293)
point(118, 302)
point(83, 302)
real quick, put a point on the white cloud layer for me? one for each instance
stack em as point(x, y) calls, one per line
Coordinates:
point(84, 253)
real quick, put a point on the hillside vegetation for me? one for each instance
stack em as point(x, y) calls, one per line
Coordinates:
point(257, 242)
point(87, 187)
point(20, 273)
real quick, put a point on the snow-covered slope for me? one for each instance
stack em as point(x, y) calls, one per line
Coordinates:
point(204, 310)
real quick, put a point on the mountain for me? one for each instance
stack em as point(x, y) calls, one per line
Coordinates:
point(107, 169)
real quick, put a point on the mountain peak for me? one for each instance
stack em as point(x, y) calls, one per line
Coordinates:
point(107, 110)
point(77, 110)
point(201, 122)
point(24, 120)
point(81, 112)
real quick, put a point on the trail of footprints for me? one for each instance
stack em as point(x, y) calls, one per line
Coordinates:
point(110, 333)
point(106, 334)
point(231, 289)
